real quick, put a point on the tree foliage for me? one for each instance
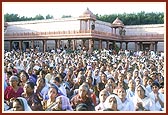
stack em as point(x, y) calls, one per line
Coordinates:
point(66, 16)
point(134, 18)
point(49, 16)
point(16, 17)
point(128, 19)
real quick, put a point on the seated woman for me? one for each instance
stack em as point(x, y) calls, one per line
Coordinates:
point(42, 88)
point(112, 103)
point(50, 98)
point(62, 104)
point(32, 99)
point(24, 77)
point(127, 104)
point(141, 101)
point(83, 96)
point(20, 104)
point(13, 91)
point(102, 97)
point(157, 97)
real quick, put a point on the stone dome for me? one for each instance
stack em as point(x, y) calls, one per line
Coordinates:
point(117, 23)
point(87, 14)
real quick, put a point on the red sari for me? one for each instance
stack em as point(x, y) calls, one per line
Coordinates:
point(10, 93)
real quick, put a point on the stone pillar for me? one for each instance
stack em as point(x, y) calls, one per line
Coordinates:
point(32, 45)
point(100, 44)
point(114, 30)
point(20, 45)
point(107, 44)
point(69, 44)
point(56, 45)
point(91, 44)
point(114, 45)
point(126, 45)
point(83, 43)
point(136, 46)
point(10, 45)
point(73, 44)
point(156, 46)
point(89, 25)
point(152, 46)
point(86, 25)
point(120, 45)
point(140, 45)
point(44, 45)
point(80, 24)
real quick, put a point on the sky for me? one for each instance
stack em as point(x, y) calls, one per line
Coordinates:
point(75, 9)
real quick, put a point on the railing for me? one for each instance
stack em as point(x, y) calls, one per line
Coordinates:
point(147, 35)
point(77, 33)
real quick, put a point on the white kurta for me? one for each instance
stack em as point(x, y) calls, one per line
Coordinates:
point(156, 105)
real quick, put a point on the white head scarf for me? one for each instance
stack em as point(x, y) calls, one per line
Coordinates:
point(107, 104)
point(146, 92)
point(25, 104)
point(65, 103)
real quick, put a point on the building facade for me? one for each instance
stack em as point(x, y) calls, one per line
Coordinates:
point(85, 31)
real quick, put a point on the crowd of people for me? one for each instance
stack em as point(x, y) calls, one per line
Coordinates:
point(102, 80)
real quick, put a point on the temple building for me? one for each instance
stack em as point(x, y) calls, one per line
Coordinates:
point(85, 31)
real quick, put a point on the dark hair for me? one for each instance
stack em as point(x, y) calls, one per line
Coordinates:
point(53, 86)
point(155, 84)
point(101, 85)
point(57, 79)
point(31, 84)
point(20, 102)
point(162, 85)
point(111, 79)
point(24, 72)
point(9, 72)
point(82, 107)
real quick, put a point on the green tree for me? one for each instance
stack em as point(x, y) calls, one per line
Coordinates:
point(38, 17)
point(49, 16)
point(11, 17)
point(66, 16)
